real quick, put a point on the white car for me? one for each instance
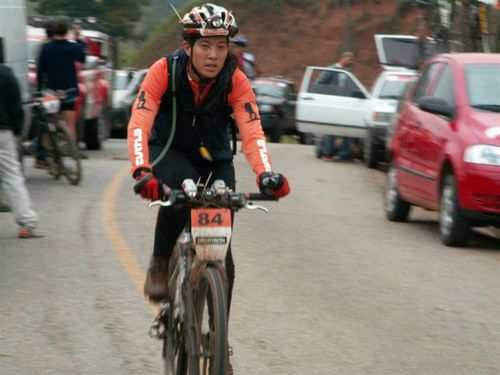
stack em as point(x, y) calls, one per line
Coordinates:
point(334, 102)
point(125, 88)
point(388, 88)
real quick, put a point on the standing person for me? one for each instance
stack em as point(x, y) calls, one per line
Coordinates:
point(77, 32)
point(210, 89)
point(49, 26)
point(246, 61)
point(325, 148)
point(11, 178)
point(57, 71)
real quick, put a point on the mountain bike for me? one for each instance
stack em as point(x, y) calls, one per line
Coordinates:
point(193, 322)
point(57, 147)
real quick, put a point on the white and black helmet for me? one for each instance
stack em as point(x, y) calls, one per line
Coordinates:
point(208, 20)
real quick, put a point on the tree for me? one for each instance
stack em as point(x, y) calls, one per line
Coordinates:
point(115, 17)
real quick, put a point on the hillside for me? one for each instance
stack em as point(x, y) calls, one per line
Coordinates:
point(286, 38)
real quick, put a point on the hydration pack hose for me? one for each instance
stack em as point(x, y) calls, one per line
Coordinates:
point(174, 117)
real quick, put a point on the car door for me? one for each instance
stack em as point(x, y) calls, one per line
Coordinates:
point(433, 135)
point(402, 50)
point(332, 101)
point(406, 137)
point(289, 107)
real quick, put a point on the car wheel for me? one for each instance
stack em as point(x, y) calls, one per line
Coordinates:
point(370, 152)
point(395, 207)
point(91, 134)
point(305, 138)
point(275, 132)
point(454, 228)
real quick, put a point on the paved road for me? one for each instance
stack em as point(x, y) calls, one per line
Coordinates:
point(325, 285)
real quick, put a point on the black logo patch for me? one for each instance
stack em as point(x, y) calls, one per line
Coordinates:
point(142, 101)
point(251, 113)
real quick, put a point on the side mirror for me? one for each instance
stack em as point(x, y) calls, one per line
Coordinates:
point(436, 106)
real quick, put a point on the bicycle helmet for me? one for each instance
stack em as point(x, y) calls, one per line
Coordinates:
point(208, 20)
point(240, 41)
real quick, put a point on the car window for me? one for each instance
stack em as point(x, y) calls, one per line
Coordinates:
point(394, 86)
point(120, 82)
point(332, 83)
point(269, 88)
point(424, 81)
point(402, 50)
point(445, 87)
point(483, 86)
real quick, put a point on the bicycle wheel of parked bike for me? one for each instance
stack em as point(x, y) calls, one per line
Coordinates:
point(211, 318)
point(66, 156)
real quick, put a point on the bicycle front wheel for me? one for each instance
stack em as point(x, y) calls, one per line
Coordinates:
point(174, 354)
point(210, 303)
point(68, 160)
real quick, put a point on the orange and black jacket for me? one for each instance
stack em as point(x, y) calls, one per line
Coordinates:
point(203, 116)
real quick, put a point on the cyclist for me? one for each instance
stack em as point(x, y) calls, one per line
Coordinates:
point(246, 61)
point(57, 70)
point(209, 89)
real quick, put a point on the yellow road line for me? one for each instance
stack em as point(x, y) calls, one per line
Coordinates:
point(115, 236)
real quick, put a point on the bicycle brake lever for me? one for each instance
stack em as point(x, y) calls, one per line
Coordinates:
point(253, 206)
point(160, 203)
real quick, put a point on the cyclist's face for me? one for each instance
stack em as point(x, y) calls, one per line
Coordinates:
point(208, 55)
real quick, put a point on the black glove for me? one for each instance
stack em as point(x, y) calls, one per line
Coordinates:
point(274, 184)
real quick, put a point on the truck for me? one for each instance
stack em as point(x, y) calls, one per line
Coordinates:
point(13, 46)
point(94, 104)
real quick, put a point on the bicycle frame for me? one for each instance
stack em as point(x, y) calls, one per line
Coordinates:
point(185, 275)
point(193, 254)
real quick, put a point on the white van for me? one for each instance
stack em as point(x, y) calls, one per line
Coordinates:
point(13, 44)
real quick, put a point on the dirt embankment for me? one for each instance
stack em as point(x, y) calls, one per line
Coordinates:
point(287, 39)
point(286, 42)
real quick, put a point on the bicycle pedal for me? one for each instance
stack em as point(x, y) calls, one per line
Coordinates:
point(157, 331)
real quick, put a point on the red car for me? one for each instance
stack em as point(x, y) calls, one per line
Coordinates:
point(445, 149)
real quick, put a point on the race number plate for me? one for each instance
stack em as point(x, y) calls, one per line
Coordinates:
point(211, 230)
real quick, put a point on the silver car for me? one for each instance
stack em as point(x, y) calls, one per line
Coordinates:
point(388, 88)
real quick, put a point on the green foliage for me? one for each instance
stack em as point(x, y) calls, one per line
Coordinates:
point(115, 17)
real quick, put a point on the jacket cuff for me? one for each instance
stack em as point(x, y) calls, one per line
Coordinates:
point(138, 171)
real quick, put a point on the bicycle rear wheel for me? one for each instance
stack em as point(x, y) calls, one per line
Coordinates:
point(68, 160)
point(210, 304)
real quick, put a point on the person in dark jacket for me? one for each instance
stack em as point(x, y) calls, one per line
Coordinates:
point(12, 182)
point(57, 71)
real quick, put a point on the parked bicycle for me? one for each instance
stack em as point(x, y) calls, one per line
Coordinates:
point(57, 147)
point(193, 323)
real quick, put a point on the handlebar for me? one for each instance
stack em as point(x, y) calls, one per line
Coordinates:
point(221, 197)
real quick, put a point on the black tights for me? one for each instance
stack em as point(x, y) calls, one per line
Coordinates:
point(172, 170)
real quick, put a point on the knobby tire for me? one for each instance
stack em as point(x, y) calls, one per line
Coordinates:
point(211, 293)
point(174, 353)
